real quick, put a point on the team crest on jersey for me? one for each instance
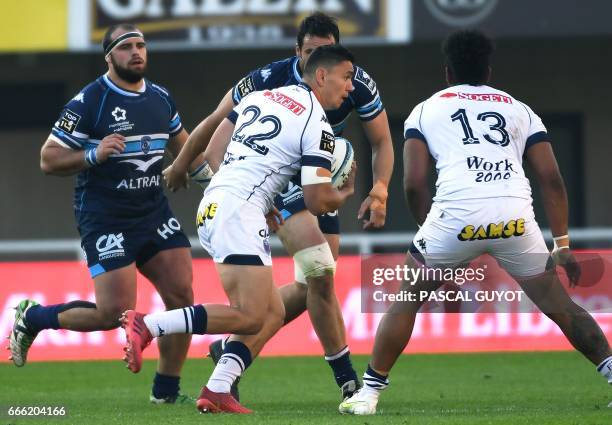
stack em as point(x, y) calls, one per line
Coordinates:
point(145, 144)
point(68, 121)
point(328, 142)
point(367, 81)
point(245, 86)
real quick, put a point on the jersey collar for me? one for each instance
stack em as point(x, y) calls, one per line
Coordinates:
point(296, 69)
point(114, 87)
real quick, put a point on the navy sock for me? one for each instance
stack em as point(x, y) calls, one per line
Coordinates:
point(342, 366)
point(238, 349)
point(199, 319)
point(41, 317)
point(165, 385)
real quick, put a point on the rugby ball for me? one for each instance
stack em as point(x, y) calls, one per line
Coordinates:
point(341, 162)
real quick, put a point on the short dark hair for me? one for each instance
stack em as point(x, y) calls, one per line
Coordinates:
point(320, 25)
point(109, 32)
point(327, 57)
point(467, 55)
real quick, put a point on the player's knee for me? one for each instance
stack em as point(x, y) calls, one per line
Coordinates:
point(109, 316)
point(316, 266)
point(252, 325)
point(321, 287)
point(179, 297)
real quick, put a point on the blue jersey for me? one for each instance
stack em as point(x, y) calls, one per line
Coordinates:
point(127, 184)
point(365, 99)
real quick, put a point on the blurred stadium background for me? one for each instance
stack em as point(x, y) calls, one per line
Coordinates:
point(550, 54)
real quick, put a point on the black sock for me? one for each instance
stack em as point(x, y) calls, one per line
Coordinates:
point(165, 385)
point(40, 317)
point(342, 366)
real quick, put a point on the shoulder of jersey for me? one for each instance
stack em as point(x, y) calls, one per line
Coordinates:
point(90, 94)
point(159, 89)
point(276, 71)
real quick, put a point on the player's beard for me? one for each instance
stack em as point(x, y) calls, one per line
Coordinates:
point(127, 74)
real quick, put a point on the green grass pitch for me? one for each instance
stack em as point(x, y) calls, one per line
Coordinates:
point(518, 388)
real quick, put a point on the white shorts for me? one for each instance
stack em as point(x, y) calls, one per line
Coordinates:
point(457, 232)
point(232, 230)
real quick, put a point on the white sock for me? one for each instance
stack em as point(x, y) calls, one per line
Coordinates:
point(227, 370)
point(374, 383)
point(179, 321)
point(605, 368)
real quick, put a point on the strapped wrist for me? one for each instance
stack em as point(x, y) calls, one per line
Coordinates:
point(91, 157)
point(561, 242)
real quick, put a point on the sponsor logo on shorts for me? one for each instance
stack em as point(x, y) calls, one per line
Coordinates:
point(209, 212)
point(499, 230)
point(168, 229)
point(110, 246)
point(265, 234)
point(328, 142)
point(68, 121)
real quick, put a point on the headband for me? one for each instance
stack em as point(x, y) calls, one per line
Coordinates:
point(119, 40)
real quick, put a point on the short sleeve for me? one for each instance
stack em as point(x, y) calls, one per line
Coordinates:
point(75, 123)
point(365, 96)
point(412, 125)
point(176, 125)
point(537, 131)
point(317, 143)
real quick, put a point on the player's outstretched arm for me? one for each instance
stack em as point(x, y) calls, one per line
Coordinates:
point(542, 160)
point(417, 163)
point(196, 170)
point(321, 198)
point(60, 161)
point(379, 135)
point(197, 142)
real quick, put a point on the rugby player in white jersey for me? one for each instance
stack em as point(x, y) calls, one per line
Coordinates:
point(303, 233)
point(270, 137)
point(478, 136)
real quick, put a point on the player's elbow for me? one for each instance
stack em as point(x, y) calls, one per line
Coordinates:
point(46, 166)
point(316, 206)
point(552, 182)
point(321, 201)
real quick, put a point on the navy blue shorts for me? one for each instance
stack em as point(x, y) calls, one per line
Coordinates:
point(110, 243)
point(291, 201)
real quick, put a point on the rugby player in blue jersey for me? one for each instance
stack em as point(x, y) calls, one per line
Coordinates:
point(113, 135)
point(306, 237)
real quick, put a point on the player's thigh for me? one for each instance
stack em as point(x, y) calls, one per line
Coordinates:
point(300, 231)
point(248, 288)
point(170, 271)
point(116, 291)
